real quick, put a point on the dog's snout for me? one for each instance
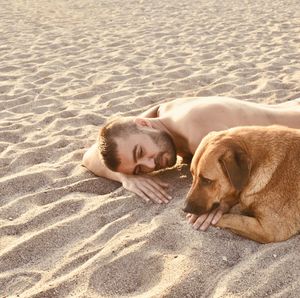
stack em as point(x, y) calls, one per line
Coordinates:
point(191, 207)
point(215, 205)
point(187, 207)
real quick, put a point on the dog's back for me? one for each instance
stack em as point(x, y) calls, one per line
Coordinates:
point(274, 185)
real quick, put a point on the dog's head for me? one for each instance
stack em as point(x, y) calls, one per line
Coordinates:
point(220, 170)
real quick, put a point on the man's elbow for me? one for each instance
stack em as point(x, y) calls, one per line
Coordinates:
point(86, 160)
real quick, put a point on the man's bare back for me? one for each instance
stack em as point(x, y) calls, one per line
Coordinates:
point(190, 119)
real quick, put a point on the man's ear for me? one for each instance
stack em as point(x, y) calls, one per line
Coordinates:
point(144, 122)
point(236, 164)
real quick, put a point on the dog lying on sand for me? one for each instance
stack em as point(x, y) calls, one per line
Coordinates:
point(255, 167)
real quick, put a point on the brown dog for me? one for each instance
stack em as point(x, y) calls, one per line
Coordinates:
point(256, 167)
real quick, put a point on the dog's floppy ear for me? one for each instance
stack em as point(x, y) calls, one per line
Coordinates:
point(236, 164)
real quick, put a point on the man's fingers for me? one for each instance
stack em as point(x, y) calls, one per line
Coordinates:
point(142, 195)
point(160, 190)
point(161, 183)
point(147, 188)
point(217, 217)
point(199, 221)
point(208, 220)
point(152, 194)
point(155, 193)
point(193, 218)
point(203, 221)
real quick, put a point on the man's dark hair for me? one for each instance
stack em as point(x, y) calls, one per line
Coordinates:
point(116, 127)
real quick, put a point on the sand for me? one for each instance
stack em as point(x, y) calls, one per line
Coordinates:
point(65, 67)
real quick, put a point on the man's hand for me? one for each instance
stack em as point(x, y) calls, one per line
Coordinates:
point(148, 188)
point(203, 221)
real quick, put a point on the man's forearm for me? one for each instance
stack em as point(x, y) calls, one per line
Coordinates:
point(91, 160)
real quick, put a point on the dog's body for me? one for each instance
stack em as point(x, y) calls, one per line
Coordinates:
point(256, 167)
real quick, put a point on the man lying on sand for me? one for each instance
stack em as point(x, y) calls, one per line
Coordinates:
point(130, 147)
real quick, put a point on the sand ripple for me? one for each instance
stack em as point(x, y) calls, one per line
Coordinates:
point(65, 67)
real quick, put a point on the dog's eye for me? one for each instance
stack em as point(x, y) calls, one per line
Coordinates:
point(205, 181)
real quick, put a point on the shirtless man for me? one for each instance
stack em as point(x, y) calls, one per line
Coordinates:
point(130, 147)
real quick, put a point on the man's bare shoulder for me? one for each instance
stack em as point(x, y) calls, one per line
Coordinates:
point(151, 112)
point(186, 103)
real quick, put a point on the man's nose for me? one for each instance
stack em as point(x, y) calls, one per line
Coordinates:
point(148, 162)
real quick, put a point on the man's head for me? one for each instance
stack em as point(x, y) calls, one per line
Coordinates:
point(131, 145)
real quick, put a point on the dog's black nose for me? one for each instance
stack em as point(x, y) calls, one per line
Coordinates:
point(186, 208)
point(215, 206)
point(191, 207)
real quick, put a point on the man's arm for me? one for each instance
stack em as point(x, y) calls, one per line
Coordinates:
point(92, 161)
point(144, 186)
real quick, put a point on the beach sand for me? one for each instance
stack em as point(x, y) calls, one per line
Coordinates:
point(65, 67)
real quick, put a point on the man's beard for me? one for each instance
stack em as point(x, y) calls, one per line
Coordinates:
point(166, 145)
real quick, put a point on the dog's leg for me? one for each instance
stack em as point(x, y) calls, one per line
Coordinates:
point(252, 228)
